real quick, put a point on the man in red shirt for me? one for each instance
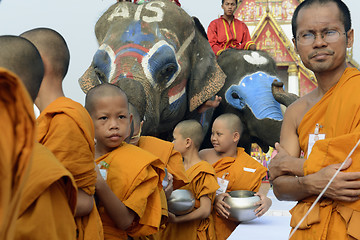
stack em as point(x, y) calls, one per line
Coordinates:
point(229, 32)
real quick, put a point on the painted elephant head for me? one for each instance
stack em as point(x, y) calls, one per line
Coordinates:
point(156, 54)
point(251, 92)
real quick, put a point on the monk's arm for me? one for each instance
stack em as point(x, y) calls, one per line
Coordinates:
point(84, 204)
point(201, 213)
point(264, 188)
point(286, 168)
point(121, 215)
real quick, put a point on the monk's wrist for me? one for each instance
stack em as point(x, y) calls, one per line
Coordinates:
point(294, 166)
point(306, 185)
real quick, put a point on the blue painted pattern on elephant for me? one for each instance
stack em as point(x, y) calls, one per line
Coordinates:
point(254, 91)
point(135, 34)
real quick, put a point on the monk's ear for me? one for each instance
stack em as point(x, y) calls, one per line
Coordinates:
point(188, 142)
point(350, 38)
point(295, 47)
point(236, 136)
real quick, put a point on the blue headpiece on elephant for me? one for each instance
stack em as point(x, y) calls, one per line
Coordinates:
point(156, 53)
point(251, 92)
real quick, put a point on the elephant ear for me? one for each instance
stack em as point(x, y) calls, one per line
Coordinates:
point(206, 78)
point(103, 24)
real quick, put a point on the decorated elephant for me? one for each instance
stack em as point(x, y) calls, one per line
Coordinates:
point(158, 55)
point(251, 93)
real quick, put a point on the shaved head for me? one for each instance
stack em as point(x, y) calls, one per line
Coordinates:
point(22, 58)
point(233, 122)
point(100, 91)
point(191, 129)
point(52, 47)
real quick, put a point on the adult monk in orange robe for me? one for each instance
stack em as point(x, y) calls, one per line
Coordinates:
point(20, 65)
point(48, 203)
point(65, 127)
point(198, 224)
point(324, 124)
point(235, 170)
point(129, 194)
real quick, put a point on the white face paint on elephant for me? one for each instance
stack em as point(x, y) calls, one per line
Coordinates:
point(156, 53)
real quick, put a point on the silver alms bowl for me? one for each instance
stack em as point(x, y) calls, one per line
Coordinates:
point(181, 202)
point(242, 205)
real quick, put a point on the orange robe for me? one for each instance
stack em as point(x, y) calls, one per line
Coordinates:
point(172, 160)
point(338, 113)
point(132, 176)
point(17, 137)
point(202, 182)
point(241, 176)
point(49, 200)
point(66, 128)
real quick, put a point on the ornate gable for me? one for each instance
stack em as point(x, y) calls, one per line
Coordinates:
point(269, 36)
point(251, 11)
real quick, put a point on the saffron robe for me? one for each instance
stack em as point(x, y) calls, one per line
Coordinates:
point(173, 161)
point(338, 114)
point(65, 127)
point(243, 173)
point(49, 200)
point(17, 118)
point(133, 178)
point(223, 35)
point(202, 182)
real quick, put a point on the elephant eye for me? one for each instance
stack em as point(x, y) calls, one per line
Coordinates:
point(166, 72)
point(161, 64)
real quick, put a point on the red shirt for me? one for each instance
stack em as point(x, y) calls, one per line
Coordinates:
point(223, 35)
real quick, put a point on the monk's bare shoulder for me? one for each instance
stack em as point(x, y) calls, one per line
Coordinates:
point(209, 155)
point(296, 111)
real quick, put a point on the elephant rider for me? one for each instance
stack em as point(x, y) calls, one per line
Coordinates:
point(228, 31)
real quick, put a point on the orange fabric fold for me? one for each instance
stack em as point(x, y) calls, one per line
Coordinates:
point(235, 171)
point(66, 128)
point(338, 114)
point(16, 144)
point(202, 182)
point(172, 159)
point(133, 178)
point(49, 200)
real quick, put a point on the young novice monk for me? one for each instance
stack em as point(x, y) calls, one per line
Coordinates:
point(171, 159)
point(130, 197)
point(20, 62)
point(47, 203)
point(235, 170)
point(197, 224)
point(65, 128)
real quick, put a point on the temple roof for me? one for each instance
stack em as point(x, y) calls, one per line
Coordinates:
point(270, 37)
point(268, 17)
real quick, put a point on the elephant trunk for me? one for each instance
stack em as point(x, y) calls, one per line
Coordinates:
point(280, 95)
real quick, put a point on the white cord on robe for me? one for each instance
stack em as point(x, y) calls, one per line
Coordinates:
point(324, 190)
